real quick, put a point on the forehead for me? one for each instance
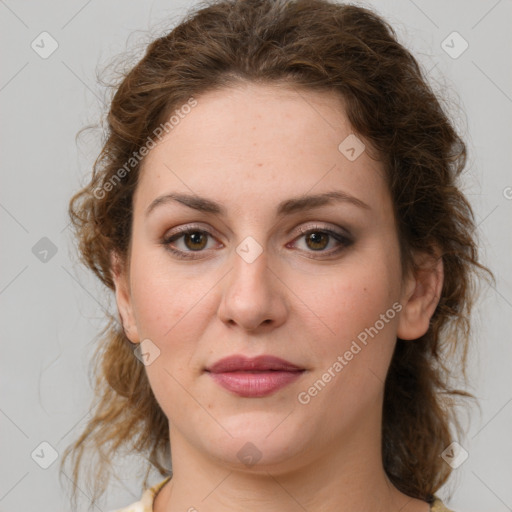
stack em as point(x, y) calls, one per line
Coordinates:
point(261, 142)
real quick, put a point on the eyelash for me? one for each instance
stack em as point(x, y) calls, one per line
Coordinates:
point(343, 240)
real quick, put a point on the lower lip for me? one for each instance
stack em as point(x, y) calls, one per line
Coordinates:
point(257, 384)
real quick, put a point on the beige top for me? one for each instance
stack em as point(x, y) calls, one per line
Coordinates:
point(148, 497)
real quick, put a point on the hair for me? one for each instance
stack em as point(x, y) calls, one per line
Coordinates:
point(317, 45)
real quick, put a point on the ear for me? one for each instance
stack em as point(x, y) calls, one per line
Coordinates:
point(421, 294)
point(120, 276)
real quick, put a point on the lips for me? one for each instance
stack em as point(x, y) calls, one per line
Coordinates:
point(256, 377)
point(256, 364)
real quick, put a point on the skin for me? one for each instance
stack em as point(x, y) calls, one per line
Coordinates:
point(249, 148)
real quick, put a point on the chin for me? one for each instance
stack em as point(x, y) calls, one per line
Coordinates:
point(258, 446)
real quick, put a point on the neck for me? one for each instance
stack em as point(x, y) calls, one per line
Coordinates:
point(343, 480)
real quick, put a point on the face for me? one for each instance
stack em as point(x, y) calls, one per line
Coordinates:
point(259, 267)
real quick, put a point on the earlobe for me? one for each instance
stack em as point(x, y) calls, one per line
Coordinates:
point(421, 298)
point(123, 299)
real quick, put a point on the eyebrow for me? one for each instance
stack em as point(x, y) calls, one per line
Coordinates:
point(287, 207)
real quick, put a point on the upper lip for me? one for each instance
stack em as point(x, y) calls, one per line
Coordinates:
point(260, 363)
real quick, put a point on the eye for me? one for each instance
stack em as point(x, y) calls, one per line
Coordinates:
point(187, 241)
point(319, 239)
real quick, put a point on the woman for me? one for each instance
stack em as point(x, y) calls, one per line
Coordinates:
point(276, 210)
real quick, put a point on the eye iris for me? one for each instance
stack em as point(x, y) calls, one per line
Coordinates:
point(195, 238)
point(317, 238)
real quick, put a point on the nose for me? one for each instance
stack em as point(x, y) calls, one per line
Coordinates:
point(253, 298)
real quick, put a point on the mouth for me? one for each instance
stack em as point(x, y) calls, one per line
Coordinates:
point(256, 377)
point(265, 363)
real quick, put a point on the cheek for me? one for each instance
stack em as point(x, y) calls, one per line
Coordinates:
point(167, 313)
point(354, 358)
point(351, 299)
point(173, 310)
point(358, 322)
point(162, 298)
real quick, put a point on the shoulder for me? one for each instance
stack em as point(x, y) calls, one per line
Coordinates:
point(145, 504)
point(438, 506)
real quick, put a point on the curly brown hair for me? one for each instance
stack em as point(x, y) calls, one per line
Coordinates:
point(319, 45)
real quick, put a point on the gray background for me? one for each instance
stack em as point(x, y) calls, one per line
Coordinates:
point(52, 308)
